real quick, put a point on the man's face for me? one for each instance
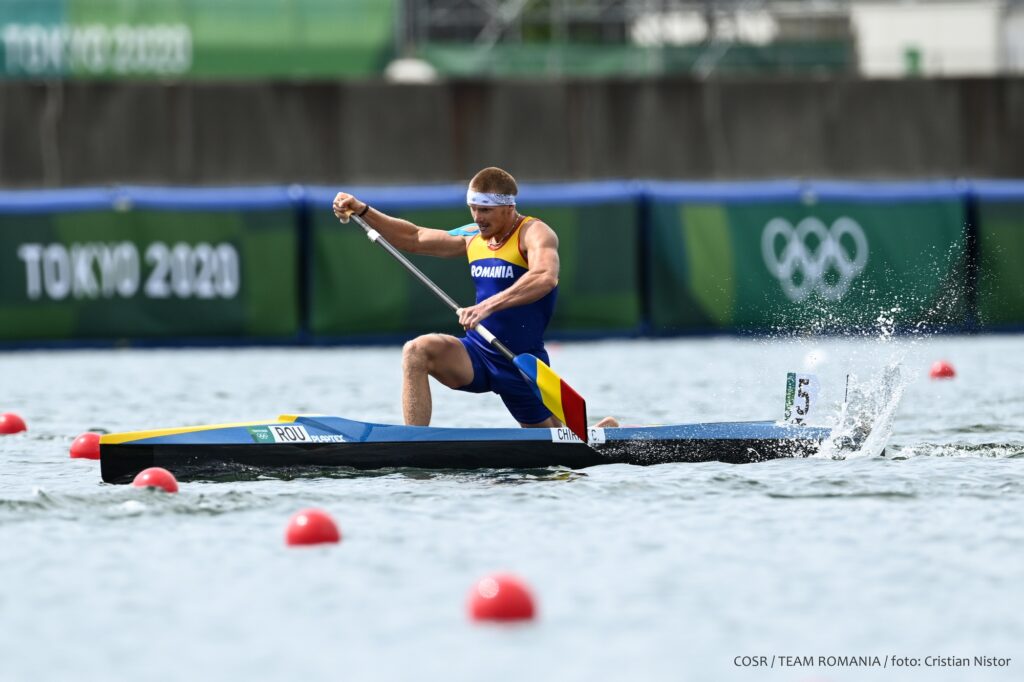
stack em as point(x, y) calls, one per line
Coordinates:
point(492, 220)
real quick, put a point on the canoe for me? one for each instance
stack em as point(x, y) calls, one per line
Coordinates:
point(302, 444)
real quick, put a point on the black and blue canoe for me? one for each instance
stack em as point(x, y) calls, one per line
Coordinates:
point(292, 444)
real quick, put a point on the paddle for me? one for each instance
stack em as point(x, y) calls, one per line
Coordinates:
point(558, 396)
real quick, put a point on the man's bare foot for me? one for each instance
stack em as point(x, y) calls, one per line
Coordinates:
point(607, 422)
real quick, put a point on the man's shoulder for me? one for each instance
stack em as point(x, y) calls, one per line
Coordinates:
point(536, 229)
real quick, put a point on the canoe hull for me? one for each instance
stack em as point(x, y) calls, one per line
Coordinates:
point(229, 452)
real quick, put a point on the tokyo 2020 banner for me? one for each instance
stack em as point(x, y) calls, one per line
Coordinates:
point(193, 38)
point(147, 264)
point(818, 257)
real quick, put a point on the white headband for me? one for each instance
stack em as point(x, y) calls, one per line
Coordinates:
point(474, 198)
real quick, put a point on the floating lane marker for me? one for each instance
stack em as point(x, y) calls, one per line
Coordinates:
point(158, 478)
point(311, 527)
point(941, 369)
point(11, 423)
point(86, 446)
point(501, 597)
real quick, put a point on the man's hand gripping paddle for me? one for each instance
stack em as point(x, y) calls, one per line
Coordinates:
point(558, 396)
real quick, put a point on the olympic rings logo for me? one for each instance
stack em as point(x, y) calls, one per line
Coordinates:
point(811, 253)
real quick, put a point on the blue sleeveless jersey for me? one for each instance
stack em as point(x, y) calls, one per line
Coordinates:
point(493, 270)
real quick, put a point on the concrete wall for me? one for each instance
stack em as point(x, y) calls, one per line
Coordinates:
point(79, 133)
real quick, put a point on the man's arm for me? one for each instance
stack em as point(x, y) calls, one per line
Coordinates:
point(541, 244)
point(402, 233)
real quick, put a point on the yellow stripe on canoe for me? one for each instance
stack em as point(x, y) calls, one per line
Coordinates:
point(118, 438)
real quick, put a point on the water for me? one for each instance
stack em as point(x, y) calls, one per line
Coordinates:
point(661, 573)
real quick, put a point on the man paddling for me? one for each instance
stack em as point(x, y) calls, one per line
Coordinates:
point(514, 265)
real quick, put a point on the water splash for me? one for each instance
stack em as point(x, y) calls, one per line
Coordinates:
point(867, 310)
point(893, 321)
point(865, 419)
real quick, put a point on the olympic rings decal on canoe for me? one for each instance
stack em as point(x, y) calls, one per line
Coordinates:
point(813, 250)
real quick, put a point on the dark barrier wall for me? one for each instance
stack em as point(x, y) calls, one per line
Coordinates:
point(141, 263)
point(1000, 212)
point(357, 290)
point(817, 257)
point(67, 133)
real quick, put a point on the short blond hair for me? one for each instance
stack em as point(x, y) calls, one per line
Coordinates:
point(495, 181)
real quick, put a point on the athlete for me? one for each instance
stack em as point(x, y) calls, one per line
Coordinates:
point(514, 264)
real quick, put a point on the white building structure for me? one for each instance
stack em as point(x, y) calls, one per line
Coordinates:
point(960, 38)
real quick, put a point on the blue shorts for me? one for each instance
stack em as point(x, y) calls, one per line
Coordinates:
point(492, 372)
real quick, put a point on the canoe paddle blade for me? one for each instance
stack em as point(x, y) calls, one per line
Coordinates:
point(558, 396)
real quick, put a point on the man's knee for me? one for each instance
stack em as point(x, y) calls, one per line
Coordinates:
point(442, 357)
point(418, 354)
point(427, 353)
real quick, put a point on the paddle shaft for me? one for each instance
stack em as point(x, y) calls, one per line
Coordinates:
point(377, 238)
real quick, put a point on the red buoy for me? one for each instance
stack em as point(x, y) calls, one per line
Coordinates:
point(11, 423)
point(86, 446)
point(501, 597)
point(311, 527)
point(942, 370)
point(156, 477)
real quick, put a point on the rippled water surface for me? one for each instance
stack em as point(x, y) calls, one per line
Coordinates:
point(663, 573)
